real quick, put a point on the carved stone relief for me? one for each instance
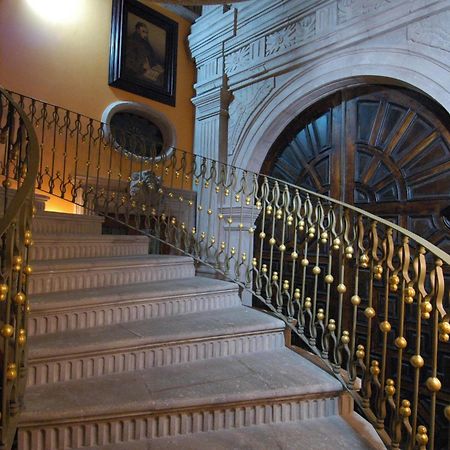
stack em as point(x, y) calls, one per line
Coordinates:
point(348, 9)
point(291, 35)
point(433, 31)
point(244, 103)
point(236, 60)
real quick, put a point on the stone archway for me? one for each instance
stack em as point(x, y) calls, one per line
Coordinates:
point(301, 90)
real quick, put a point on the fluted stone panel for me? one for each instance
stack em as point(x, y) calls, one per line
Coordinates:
point(65, 277)
point(51, 248)
point(100, 363)
point(87, 316)
point(60, 223)
point(101, 432)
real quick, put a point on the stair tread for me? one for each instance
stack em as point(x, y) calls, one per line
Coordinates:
point(153, 290)
point(318, 434)
point(257, 376)
point(108, 261)
point(207, 324)
point(68, 216)
point(48, 237)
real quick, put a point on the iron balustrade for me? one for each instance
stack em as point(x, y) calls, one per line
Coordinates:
point(363, 294)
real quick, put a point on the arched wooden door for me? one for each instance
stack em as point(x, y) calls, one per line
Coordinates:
point(383, 149)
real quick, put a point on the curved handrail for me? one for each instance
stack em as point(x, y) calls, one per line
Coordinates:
point(21, 152)
point(28, 184)
point(423, 242)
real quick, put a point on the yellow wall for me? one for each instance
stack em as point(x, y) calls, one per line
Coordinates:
point(66, 63)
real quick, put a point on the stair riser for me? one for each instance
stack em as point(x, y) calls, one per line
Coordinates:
point(62, 250)
point(97, 277)
point(99, 433)
point(82, 317)
point(68, 224)
point(146, 357)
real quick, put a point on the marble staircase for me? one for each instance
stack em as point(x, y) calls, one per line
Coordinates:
point(133, 351)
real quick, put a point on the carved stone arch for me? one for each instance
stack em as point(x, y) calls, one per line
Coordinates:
point(166, 127)
point(294, 93)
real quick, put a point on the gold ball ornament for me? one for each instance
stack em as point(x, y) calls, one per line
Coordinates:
point(369, 312)
point(360, 353)
point(447, 412)
point(400, 342)
point(316, 270)
point(341, 288)
point(417, 361)
point(329, 279)
point(294, 255)
point(394, 279)
point(364, 261)
point(272, 241)
point(282, 248)
point(375, 368)
point(275, 276)
point(7, 330)
point(410, 292)
point(345, 339)
point(308, 302)
point(11, 372)
point(349, 252)
point(304, 262)
point(385, 326)
point(262, 235)
point(28, 270)
point(405, 409)
point(320, 314)
point(444, 327)
point(22, 338)
point(356, 300)
point(20, 298)
point(421, 436)
point(433, 384)
point(297, 294)
point(390, 387)
point(332, 325)
point(336, 244)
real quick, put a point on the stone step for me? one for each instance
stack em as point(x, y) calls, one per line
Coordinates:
point(87, 308)
point(222, 393)
point(49, 223)
point(50, 247)
point(80, 354)
point(350, 432)
point(84, 273)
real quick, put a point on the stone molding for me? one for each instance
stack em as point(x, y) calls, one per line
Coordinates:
point(432, 32)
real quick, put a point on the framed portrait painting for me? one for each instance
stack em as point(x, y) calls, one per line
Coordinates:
point(143, 51)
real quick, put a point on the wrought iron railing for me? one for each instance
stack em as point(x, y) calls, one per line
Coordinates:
point(365, 295)
point(19, 159)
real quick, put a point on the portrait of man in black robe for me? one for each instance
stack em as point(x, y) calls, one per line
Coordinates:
point(141, 59)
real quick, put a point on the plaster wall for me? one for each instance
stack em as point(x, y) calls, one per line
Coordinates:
point(66, 64)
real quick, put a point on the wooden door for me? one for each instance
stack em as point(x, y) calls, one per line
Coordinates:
point(383, 149)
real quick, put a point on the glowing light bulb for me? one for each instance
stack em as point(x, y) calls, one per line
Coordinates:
point(57, 10)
